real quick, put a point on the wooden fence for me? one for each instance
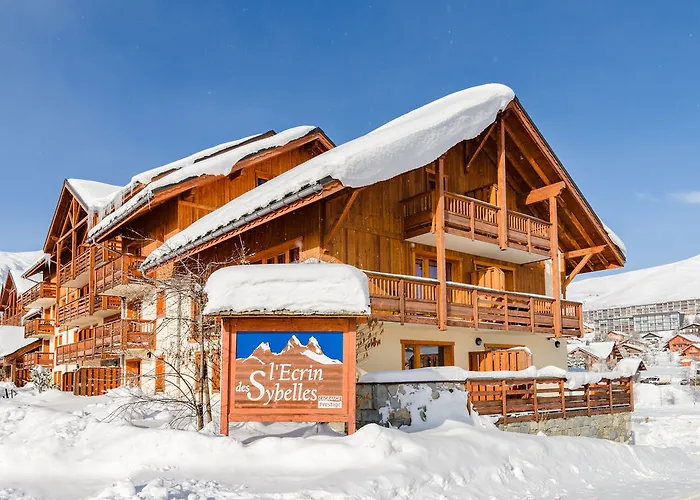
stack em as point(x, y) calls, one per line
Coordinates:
point(519, 400)
point(95, 381)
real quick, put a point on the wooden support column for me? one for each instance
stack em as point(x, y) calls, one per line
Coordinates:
point(440, 237)
point(502, 187)
point(556, 271)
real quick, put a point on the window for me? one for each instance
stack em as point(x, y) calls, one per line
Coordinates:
point(426, 267)
point(282, 254)
point(261, 178)
point(423, 354)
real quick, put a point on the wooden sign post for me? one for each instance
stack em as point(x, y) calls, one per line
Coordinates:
point(288, 369)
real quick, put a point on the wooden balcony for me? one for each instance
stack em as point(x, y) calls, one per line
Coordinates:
point(39, 328)
point(33, 359)
point(79, 312)
point(40, 295)
point(476, 221)
point(14, 320)
point(75, 273)
point(109, 341)
point(521, 400)
point(407, 299)
point(119, 277)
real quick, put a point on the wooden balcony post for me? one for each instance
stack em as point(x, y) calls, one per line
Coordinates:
point(630, 393)
point(610, 394)
point(502, 187)
point(562, 396)
point(556, 273)
point(503, 403)
point(475, 307)
point(587, 390)
point(531, 307)
point(440, 236)
point(402, 301)
point(534, 400)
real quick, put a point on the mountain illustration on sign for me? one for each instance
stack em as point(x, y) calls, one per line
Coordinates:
point(312, 350)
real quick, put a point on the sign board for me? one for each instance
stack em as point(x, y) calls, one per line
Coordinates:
point(288, 369)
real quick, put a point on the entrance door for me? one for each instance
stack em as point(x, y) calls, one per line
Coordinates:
point(491, 277)
point(133, 372)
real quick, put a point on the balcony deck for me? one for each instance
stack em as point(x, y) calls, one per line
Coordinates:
point(40, 295)
point(109, 341)
point(79, 313)
point(33, 359)
point(119, 277)
point(38, 328)
point(407, 299)
point(75, 274)
point(471, 226)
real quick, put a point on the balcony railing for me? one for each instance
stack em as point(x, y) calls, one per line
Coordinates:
point(74, 312)
point(14, 320)
point(33, 359)
point(38, 328)
point(116, 276)
point(40, 295)
point(75, 272)
point(477, 220)
point(519, 400)
point(109, 341)
point(408, 299)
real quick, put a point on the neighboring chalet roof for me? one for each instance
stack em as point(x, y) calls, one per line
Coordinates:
point(404, 144)
point(695, 347)
point(690, 338)
point(92, 195)
point(599, 350)
point(653, 334)
point(690, 325)
point(219, 163)
point(666, 283)
point(12, 339)
point(18, 261)
point(310, 288)
point(630, 366)
point(21, 284)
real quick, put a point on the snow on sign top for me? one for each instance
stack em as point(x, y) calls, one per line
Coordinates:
point(220, 164)
point(403, 144)
point(288, 289)
point(669, 282)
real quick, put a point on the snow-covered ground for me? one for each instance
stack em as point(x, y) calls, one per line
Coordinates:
point(55, 445)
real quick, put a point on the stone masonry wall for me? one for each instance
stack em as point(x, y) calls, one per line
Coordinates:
point(613, 427)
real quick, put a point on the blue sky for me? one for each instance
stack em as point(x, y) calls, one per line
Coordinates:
point(103, 90)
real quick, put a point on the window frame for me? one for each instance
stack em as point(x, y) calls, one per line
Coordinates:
point(449, 354)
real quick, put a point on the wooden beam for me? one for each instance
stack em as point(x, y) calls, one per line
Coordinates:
point(479, 148)
point(336, 225)
point(440, 250)
point(545, 193)
point(502, 187)
point(554, 255)
point(195, 205)
point(584, 251)
point(577, 269)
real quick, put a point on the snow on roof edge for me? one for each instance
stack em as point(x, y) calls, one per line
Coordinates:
point(403, 144)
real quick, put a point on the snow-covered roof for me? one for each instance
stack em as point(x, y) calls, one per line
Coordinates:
point(18, 261)
point(22, 284)
point(696, 346)
point(666, 283)
point(217, 165)
point(403, 144)
point(690, 338)
point(615, 239)
point(288, 289)
point(600, 350)
point(12, 339)
point(628, 366)
point(92, 194)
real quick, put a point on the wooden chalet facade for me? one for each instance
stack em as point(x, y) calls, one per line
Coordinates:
point(470, 252)
point(680, 341)
point(90, 310)
point(468, 247)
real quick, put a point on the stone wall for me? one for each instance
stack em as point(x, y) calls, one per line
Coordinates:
point(613, 427)
point(405, 404)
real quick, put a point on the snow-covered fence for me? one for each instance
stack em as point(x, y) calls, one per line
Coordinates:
point(521, 400)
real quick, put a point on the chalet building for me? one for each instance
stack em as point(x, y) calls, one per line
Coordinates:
point(89, 307)
point(617, 336)
point(467, 225)
point(680, 341)
point(691, 329)
point(691, 352)
point(594, 356)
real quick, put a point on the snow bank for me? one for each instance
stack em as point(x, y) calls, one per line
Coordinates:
point(296, 289)
point(655, 396)
point(454, 374)
point(669, 282)
point(221, 164)
point(404, 144)
point(11, 339)
point(53, 446)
